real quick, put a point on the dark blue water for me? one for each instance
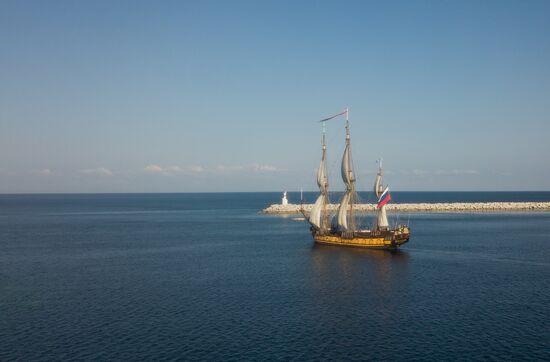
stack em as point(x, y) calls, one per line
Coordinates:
point(205, 277)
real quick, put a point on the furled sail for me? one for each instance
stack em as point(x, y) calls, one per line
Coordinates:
point(378, 185)
point(343, 212)
point(381, 217)
point(322, 179)
point(315, 214)
point(346, 205)
point(347, 167)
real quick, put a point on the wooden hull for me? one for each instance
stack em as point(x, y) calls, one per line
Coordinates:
point(388, 239)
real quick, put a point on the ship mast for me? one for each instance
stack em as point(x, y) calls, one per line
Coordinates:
point(346, 205)
point(324, 183)
point(381, 216)
point(318, 217)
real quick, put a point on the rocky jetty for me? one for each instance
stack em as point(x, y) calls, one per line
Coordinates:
point(423, 207)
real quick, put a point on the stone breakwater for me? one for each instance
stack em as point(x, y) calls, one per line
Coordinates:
point(423, 207)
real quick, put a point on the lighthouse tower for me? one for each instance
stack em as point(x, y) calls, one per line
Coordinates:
point(284, 200)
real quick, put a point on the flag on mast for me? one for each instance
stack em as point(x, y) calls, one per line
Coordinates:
point(384, 198)
point(336, 115)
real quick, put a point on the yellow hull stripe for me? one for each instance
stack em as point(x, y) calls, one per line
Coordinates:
point(370, 242)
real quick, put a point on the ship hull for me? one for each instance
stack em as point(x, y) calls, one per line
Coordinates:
point(388, 239)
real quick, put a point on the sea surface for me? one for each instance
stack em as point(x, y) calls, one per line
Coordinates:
point(207, 277)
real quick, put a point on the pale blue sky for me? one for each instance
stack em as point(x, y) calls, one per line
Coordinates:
point(132, 96)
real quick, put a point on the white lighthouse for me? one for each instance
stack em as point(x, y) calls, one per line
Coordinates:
point(284, 200)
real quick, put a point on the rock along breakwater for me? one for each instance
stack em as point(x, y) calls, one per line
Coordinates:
point(422, 207)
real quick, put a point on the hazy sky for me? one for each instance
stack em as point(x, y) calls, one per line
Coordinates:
point(131, 96)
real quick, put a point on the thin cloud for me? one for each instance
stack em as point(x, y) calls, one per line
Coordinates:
point(502, 173)
point(44, 172)
point(414, 172)
point(456, 172)
point(228, 168)
point(167, 170)
point(100, 171)
point(218, 169)
point(264, 168)
point(196, 169)
point(439, 172)
point(153, 169)
point(254, 167)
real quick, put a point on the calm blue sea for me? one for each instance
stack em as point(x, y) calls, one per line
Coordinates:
point(206, 277)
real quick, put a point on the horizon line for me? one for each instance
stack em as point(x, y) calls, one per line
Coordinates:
point(241, 192)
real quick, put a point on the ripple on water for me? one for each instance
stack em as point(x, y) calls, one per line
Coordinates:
point(107, 284)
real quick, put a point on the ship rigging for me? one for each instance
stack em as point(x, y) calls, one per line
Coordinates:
point(344, 231)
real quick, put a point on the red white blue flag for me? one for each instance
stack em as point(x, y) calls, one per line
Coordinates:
point(384, 198)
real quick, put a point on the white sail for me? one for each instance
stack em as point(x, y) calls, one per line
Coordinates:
point(315, 214)
point(343, 212)
point(348, 177)
point(378, 185)
point(381, 216)
point(322, 179)
point(347, 167)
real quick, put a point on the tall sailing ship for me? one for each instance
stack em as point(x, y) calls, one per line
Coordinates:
point(342, 228)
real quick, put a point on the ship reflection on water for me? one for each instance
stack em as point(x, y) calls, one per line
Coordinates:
point(350, 261)
point(359, 280)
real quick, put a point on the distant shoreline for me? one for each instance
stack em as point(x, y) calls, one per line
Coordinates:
point(422, 207)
